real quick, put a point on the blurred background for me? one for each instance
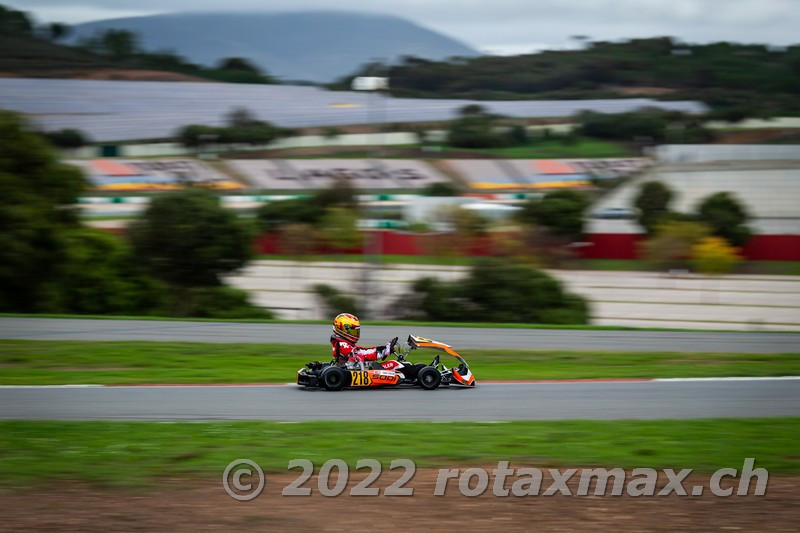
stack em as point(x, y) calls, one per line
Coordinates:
point(368, 140)
point(584, 165)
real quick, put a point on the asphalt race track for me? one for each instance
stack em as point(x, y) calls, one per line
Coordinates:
point(219, 332)
point(488, 402)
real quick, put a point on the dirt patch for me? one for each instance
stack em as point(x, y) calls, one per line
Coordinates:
point(642, 91)
point(757, 136)
point(175, 505)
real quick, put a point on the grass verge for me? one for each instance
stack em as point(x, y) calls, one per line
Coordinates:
point(389, 259)
point(396, 323)
point(137, 453)
point(137, 362)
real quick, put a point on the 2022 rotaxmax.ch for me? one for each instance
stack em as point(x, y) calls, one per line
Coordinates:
point(244, 480)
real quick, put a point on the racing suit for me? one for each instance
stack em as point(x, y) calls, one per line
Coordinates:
point(343, 349)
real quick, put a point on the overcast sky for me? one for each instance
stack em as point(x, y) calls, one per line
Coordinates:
point(501, 26)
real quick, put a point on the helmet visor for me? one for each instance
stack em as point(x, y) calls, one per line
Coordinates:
point(353, 330)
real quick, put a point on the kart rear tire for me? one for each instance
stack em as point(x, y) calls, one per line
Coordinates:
point(333, 378)
point(429, 378)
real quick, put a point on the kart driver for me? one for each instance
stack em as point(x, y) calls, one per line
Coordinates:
point(346, 332)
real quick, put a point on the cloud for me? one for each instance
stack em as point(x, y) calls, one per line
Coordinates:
point(509, 24)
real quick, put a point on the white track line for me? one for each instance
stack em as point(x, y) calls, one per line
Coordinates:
point(775, 378)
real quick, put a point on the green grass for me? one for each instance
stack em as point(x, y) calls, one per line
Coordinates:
point(614, 264)
point(782, 268)
point(386, 259)
point(555, 148)
point(139, 453)
point(135, 362)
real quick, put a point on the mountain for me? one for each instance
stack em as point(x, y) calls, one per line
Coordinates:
point(317, 46)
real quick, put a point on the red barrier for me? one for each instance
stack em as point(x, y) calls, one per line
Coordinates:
point(603, 245)
point(612, 246)
point(773, 248)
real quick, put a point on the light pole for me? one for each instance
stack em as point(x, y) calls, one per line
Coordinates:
point(372, 248)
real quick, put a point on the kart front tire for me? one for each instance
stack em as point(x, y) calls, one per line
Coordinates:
point(333, 378)
point(429, 378)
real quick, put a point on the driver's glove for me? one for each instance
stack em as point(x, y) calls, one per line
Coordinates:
point(388, 349)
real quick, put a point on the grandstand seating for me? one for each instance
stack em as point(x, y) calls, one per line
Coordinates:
point(320, 173)
point(152, 174)
point(485, 173)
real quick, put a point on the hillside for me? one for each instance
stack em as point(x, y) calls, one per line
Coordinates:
point(724, 75)
point(23, 53)
point(315, 46)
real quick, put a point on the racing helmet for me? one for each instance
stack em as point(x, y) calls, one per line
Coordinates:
point(347, 326)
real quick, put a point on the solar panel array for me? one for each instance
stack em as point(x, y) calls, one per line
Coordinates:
point(138, 110)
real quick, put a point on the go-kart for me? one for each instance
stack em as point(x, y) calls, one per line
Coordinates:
point(395, 372)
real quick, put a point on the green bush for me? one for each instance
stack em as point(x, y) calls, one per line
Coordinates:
point(561, 212)
point(102, 276)
point(223, 302)
point(334, 301)
point(498, 291)
point(727, 217)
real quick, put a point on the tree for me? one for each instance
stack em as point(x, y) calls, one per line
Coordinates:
point(274, 215)
point(241, 117)
point(189, 240)
point(119, 44)
point(671, 245)
point(102, 277)
point(296, 240)
point(196, 135)
point(441, 188)
point(35, 188)
point(726, 216)
point(339, 229)
point(66, 138)
point(57, 31)
point(331, 133)
point(518, 135)
point(560, 212)
point(714, 255)
point(310, 211)
point(239, 64)
point(653, 204)
point(473, 129)
point(13, 21)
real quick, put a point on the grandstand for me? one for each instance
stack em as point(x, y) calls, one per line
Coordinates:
point(487, 174)
point(765, 179)
point(321, 173)
point(548, 174)
point(152, 175)
point(136, 110)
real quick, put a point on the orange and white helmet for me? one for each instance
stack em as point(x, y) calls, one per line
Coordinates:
point(347, 326)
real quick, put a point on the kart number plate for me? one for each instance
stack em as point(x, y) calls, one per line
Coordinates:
point(360, 378)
